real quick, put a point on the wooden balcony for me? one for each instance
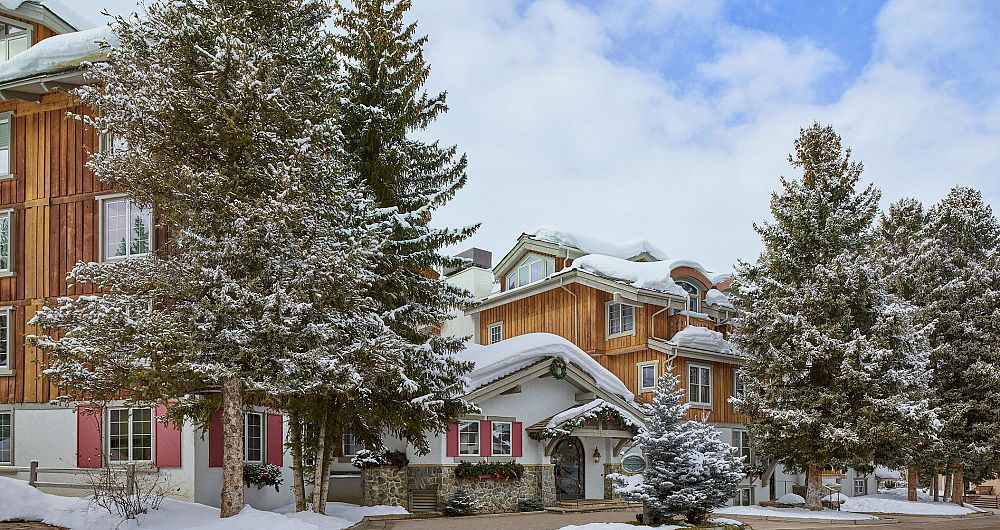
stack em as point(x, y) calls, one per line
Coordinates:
point(667, 327)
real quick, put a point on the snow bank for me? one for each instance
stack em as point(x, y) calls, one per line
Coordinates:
point(58, 53)
point(593, 245)
point(718, 298)
point(654, 275)
point(508, 356)
point(896, 503)
point(18, 500)
point(703, 339)
point(797, 513)
point(791, 498)
point(836, 497)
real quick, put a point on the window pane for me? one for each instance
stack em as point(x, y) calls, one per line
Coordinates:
point(628, 318)
point(6, 437)
point(693, 375)
point(115, 228)
point(614, 319)
point(511, 280)
point(468, 438)
point(16, 45)
point(522, 275)
point(5, 133)
point(140, 226)
point(118, 435)
point(142, 434)
point(501, 439)
point(5, 242)
point(706, 386)
point(4, 346)
point(648, 376)
point(253, 438)
point(536, 271)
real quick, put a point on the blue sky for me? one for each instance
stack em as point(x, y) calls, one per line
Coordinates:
point(671, 120)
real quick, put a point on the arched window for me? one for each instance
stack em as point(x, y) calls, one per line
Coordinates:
point(694, 293)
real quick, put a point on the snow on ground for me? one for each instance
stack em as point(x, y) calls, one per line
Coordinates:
point(894, 501)
point(18, 500)
point(723, 520)
point(797, 513)
point(791, 498)
point(618, 526)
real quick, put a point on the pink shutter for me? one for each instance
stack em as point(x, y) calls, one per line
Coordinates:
point(275, 440)
point(215, 439)
point(88, 436)
point(485, 438)
point(515, 439)
point(168, 441)
point(452, 437)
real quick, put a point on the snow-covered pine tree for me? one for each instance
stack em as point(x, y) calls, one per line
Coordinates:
point(261, 289)
point(831, 355)
point(384, 107)
point(956, 285)
point(689, 469)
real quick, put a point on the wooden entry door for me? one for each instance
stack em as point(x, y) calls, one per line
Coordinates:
point(567, 458)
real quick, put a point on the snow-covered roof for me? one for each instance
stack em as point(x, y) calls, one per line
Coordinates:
point(703, 339)
point(884, 473)
point(592, 245)
point(653, 275)
point(57, 54)
point(588, 409)
point(718, 298)
point(508, 356)
point(57, 8)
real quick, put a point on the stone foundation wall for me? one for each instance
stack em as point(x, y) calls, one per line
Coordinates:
point(494, 495)
point(385, 485)
point(609, 487)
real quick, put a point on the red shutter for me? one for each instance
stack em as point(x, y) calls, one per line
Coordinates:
point(215, 439)
point(275, 440)
point(168, 441)
point(515, 439)
point(452, 438)
point(88, 436)
point(485, 437)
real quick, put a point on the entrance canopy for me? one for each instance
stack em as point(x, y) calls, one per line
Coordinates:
point(594, 419)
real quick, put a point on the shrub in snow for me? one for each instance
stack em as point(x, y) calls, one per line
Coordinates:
point(366, 459)
point(532, 504)
point(461, 503)
point(791, 498)
point(125, 493)
point(261, 475)
point(690, 471)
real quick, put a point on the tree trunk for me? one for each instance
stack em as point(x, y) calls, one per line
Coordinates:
point(319, 503)
point(232, 448)
point(295, 441)
point(911, 483)
point(958, 493)
point(947, 486)
point(934, 486)
point(327, 458)
point(814, 481)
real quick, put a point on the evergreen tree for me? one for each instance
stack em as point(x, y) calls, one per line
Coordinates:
point(832, 358)
point(689, 469)
point(262, 289)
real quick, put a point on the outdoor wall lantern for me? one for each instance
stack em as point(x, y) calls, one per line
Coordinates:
point(597, 455)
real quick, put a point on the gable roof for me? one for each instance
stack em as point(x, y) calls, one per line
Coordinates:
point(53, 14)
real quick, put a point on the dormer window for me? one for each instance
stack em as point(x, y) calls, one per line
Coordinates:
point(694, 294)
point(15, 39)
point(532, 269)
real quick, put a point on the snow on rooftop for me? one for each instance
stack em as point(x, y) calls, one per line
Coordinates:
point(654, 275)
point(588, 409)
point(57, 53)
point(717, 298)
point(702, 339)
point(508, 356)
point(71, 17)
point(592, 245)
point(885, 473)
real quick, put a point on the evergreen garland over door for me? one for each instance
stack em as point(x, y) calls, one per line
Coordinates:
point(568, 460)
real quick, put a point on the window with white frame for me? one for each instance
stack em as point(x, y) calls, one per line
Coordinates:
point(738, 382)
point(532, 269)
point(130, 434)
point(647, 376)
point(6, 437)
point(350, 444)
point(699, 384)
point(502, 438)
point(468, 438)
point(110, 142)
point(744, 497)
point(126, 229)
point(694, 294)
point(14, 39)
point(253, 437)
point(495, 333)
point(860, 487)
point(6, 126)
point(621, 319)
point(6, 363)
point(6, 256)
point(741, 441)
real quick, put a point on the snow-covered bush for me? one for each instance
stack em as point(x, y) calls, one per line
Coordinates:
point(531, 504)
point(123, 492)
point(261, 475)
point(461, 503)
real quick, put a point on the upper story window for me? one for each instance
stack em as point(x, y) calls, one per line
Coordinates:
point(6, 363)
point(694, 294)
point(468, 438)
point(495, 333)
point(6, 437)
point(130, 434)
point(6, 257)
point(738, 387)
point(699, 384)
point(647, 376)
point(15, 39)
point(6, 125)
point(253, 437)
point(741, 441)
point(532, 269)
point(126, 229)
point(502, 438)
point(621, 319)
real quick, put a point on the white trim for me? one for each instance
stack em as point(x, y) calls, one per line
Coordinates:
point(152, 434)
point(9, 214)
point(687, 389)
point(9, 412)
point(736, 378)
point(7, 367)
point(246, 437)
point(510, 425)
point(489, 332)
point(607, 320)
point(656, 375)
point(101, 200)
point(479, 437)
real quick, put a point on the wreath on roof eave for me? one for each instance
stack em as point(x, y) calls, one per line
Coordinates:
point(557, 368)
